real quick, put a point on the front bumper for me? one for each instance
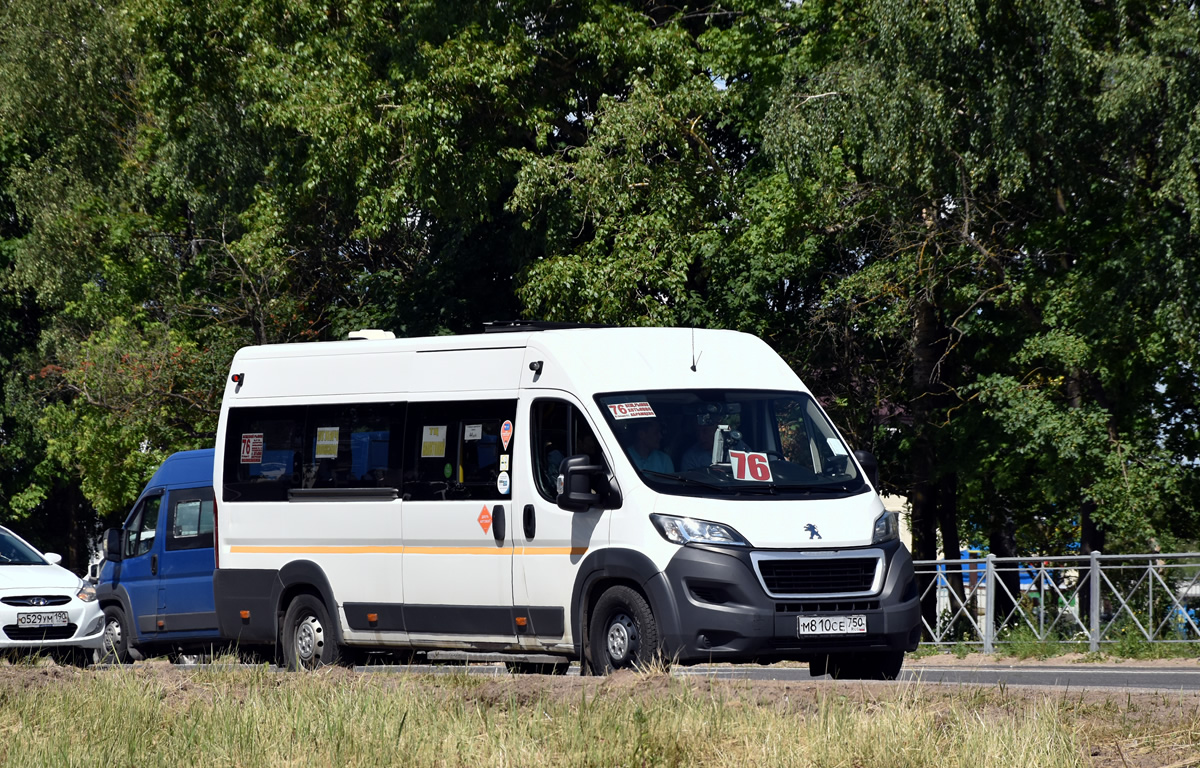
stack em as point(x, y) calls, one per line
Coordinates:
point(84, 629)
point(722, 613)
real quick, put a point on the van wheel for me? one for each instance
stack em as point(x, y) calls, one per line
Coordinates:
point(116, 638)
point(623, 632)
point(308, 641)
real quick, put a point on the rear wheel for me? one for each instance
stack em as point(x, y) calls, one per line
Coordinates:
point(623, 633)
point(116, 637)
point(308, 639)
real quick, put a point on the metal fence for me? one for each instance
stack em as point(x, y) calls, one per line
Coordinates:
point(1098, 599)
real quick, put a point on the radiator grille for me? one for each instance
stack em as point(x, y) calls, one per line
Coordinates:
point(36, 601)
point(818, 576)
point(35, 634)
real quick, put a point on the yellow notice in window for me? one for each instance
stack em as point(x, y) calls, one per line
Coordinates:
point(433, 443)
point(327, 442)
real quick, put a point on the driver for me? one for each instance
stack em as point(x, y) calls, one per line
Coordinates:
point(646, 452)
point(699, 455)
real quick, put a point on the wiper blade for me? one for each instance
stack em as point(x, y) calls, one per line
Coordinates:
point(689, 480)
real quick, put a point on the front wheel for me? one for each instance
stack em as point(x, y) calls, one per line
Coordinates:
point(623, 633)
point(116, 638)
point(308, 639)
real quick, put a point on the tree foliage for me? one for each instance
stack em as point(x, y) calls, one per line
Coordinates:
point(970, 226)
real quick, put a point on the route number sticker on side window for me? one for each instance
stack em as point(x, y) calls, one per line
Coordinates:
point(631, 410)
point(750, 466)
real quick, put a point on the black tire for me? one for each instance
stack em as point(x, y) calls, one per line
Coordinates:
point(116, 638)
point(622, 632)
point(883, 665)
point(308, 636)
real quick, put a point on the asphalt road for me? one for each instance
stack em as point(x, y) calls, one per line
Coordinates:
point(1125, 676)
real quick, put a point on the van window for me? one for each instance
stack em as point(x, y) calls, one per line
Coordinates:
point(271, 450)
point(139, 536)
point(559, 431)
point(457, 450)
point(190, 524)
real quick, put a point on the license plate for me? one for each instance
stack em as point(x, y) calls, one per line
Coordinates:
point(47, 619)
point(831, 625)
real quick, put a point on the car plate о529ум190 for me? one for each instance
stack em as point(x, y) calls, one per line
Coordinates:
point(831, 625)
point(44, 619)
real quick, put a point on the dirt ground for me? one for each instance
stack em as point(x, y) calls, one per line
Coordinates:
point(1119, 729)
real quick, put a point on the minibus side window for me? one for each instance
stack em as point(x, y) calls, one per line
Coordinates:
point(273, 450)
point(350, 446)
point(457, 450)
point(263, 452)
point(559, 431)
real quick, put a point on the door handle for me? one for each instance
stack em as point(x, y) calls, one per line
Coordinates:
point(530, 521)
point(498, 523)
point(153, 565)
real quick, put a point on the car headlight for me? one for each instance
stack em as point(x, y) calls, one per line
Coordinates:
point(886, 528)
point(681, 530)
point(86, 593)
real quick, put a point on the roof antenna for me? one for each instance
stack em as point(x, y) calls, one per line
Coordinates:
point(694, 358)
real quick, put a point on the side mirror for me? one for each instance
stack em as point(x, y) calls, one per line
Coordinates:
point(576, 482)
point(870, 466)
point(111, 545)
point(52, 557)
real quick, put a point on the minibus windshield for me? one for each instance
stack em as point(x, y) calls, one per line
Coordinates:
point(732, 442)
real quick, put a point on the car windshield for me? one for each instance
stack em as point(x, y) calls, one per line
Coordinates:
point(732, 442)
point(13, 551)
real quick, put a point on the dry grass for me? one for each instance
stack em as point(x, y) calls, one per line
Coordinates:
point(154, 714)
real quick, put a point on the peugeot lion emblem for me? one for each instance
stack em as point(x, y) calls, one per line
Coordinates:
point(811, 530)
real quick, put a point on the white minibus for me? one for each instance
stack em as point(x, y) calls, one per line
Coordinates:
point(614, 496)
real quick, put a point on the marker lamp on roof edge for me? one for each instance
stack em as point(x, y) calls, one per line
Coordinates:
point(886, 528)
point(684, 530)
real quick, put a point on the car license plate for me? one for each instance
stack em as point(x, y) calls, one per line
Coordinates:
point(831, 625)
point(46, 619)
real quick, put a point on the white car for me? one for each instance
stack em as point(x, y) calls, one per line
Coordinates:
point(43, 606)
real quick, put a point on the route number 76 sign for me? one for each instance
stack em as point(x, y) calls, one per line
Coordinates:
point(750, 466)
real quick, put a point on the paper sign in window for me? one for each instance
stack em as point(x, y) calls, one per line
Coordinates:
point(252, 447)
point(640, 410)
point(433, 442)
point(473, 432)
point(327, 442)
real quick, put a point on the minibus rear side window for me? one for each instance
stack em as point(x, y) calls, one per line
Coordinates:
point(339, 449)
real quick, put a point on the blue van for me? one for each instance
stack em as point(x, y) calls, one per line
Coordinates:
point(155, 583)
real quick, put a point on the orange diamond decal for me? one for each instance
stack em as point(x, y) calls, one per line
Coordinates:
point(485, 519)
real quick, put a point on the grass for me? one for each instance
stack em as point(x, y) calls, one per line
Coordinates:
point(256, 716)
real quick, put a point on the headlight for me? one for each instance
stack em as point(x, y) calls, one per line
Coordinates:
point(681, 530)
point(886, 528)
point(86, 593)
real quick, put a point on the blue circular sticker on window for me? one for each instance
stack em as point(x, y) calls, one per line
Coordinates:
point(502, 483)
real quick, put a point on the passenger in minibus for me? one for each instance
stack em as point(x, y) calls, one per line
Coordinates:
point(646, 452)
